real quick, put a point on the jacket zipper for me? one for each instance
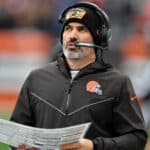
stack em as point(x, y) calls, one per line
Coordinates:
point(67, 118)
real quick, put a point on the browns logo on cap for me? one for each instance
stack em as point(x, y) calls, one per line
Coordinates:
point(75, 13)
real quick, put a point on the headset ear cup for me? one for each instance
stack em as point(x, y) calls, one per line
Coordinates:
point(103, 37)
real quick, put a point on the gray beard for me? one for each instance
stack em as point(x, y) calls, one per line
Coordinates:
point(73, 55)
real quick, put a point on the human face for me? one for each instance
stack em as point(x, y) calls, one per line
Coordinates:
point(75, 31)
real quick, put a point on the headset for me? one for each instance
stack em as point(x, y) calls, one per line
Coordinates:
point(105, 28)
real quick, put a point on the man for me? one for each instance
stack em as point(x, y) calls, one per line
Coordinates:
point(80, 87)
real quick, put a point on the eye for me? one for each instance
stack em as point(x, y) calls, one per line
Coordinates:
point(67, 28)
point(83, 29)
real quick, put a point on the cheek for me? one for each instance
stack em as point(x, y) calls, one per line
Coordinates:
point(88, 38)
point(64, 37)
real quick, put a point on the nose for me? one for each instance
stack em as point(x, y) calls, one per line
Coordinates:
point(73, 36)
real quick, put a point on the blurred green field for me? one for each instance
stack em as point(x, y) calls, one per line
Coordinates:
point(2, 145)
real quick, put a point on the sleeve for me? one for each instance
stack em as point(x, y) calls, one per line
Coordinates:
point(128, 123)
point(22, 112)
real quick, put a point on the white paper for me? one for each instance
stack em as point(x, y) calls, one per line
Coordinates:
point(16, 134)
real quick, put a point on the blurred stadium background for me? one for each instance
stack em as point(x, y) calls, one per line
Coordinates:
point(29, 32)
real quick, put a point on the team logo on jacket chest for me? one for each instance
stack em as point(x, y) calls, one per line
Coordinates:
point(94, 87)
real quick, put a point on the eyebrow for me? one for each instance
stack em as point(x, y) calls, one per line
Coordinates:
point(78, 26)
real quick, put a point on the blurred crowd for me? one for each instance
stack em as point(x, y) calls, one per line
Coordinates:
point(130, 44)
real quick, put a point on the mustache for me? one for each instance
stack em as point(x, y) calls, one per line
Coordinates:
point(71, 42)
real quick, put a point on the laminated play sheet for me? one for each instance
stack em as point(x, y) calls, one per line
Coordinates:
point(15, 134)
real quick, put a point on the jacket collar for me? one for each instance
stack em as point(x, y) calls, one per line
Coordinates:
point(98, 66)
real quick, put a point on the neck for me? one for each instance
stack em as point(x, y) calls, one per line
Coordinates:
point(77, 64)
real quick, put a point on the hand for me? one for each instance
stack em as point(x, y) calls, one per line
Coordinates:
point(23, 147)
point(83, 144)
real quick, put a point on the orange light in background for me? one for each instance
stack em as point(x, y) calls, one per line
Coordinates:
point(20, 51)
point(7, 101)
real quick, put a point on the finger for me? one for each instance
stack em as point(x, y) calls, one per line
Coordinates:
point(24, 147)
point(70, 146)
point(21, 147)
